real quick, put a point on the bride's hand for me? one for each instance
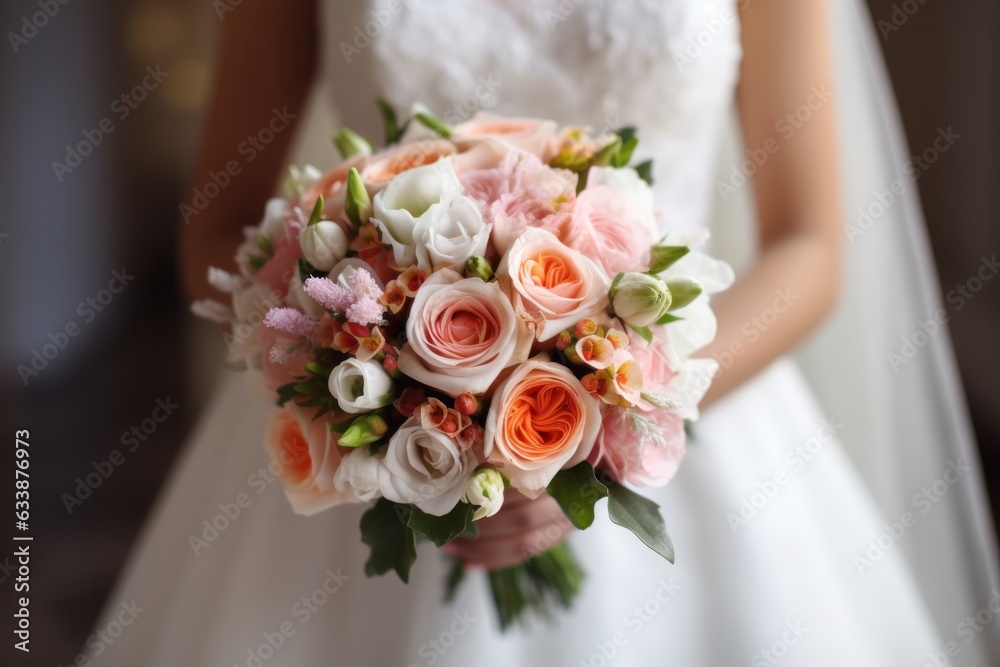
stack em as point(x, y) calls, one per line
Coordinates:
point(521, 529)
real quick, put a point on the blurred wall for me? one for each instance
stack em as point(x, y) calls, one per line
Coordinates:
point(944, 59)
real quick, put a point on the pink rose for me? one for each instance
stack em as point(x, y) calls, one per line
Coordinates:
point(642, 448)
point(541, 420)
point(558, 286)
point(521, 192)
point(605, 227)
point(528, 134)
point(461, 333)
point(306, 457)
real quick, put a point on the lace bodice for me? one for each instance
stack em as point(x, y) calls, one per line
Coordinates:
point(666, 66)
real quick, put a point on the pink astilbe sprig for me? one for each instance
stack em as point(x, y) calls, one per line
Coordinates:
point(291, 321)
point(364, 284)
point(329, 294)
point(365, 311)
point(360, 303)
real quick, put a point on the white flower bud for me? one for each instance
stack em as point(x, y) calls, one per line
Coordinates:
point(324, 244)
point(485, 490)
point(361, 386)
point(640, 299)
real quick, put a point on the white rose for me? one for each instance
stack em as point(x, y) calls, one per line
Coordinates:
point(461, 333)
point(485, 491)
point(323, 244)
point(447, 241)
point(414, 196)
point(358, 474)
point(426, 468)
point(361, 386)
point(640, 299)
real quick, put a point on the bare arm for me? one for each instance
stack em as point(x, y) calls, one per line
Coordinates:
point(266, 62)
point(786, 60)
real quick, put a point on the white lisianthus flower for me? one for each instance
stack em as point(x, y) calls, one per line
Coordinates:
point(358, 474)
point(485, 491)
point(447, 241)
point(324, 244)
point(640, 299)
point(425, 467)
point(361, 386)
point(418, 196)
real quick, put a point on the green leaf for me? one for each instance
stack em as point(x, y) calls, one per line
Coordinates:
point(256, 261)
point(662, 257)
point(455, 576)
point(624, 154)
point(317, 212)
point(645, 171)
point(614, 285)
point(392, 129)
point(349, 143)
point(626, 133)
point(683, 292)
point(433, 123)
point(641, 516)
point(442, 529)
point(357, 204)
point(577, 491)
point(668, 318)
point(643, 332)
point(307, 270)
point(393, 543)
point(286, 392)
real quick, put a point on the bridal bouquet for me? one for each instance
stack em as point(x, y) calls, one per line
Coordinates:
point(473, 309)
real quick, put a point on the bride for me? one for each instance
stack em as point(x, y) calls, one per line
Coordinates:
point(842, 528)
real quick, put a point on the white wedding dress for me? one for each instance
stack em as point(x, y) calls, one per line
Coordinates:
point(785, 551)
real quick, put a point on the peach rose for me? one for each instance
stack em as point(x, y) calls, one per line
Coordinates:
point(528, 134)
point(541, 420)
point(461, 333)
point(305, 456)
point(385, 165)
point(557, 285)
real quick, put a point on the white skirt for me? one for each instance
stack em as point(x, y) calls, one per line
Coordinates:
point(781, 557)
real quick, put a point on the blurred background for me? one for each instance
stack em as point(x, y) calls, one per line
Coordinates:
point(96, 332)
